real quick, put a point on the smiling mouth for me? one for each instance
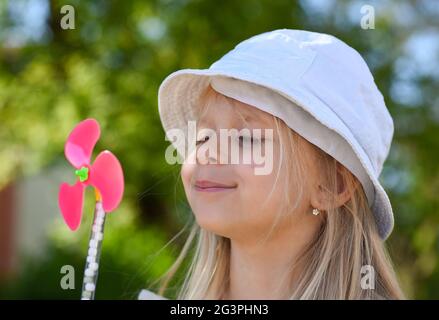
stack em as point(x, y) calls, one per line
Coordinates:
point(211, 186)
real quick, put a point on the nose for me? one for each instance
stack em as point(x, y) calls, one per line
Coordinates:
point(211, 152)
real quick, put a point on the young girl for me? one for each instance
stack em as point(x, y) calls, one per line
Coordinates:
point(314, 226)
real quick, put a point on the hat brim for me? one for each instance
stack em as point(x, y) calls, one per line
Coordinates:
point(180, 91)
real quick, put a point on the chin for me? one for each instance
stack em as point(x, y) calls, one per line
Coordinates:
point(216, 222)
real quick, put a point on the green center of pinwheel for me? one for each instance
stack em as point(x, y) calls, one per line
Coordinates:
point(82, 174)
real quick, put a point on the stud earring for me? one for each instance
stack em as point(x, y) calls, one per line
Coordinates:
point(315, 211)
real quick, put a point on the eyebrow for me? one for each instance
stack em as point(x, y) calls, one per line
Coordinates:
point(243, 116)
point(249, 117)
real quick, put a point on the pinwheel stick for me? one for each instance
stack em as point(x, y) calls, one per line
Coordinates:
point(94, 251)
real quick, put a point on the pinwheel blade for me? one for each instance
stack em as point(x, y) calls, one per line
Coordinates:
point(107, 176)
point(70, 201)
point(81, 141)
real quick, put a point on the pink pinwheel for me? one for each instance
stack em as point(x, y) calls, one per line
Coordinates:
point(105, 174)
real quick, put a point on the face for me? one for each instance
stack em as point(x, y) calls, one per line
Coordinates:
point(230, 199)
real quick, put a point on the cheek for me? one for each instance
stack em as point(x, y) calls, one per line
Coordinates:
point(261, 195)
point(186, 175)
point(262, 192)
point(187, 172)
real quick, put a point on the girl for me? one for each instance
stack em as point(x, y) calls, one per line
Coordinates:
point(314, 226)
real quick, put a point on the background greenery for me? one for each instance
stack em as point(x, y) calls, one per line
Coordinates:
point(110, 68)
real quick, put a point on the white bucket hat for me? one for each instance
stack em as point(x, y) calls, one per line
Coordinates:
point(318, 85)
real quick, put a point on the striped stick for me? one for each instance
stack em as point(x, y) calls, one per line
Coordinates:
point(94, 251)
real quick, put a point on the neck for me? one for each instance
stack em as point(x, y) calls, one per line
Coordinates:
point(265, 270)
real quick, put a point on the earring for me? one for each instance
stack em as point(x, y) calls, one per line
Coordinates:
point(315, 211)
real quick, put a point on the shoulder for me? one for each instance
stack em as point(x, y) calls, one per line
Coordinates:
point(149, 295)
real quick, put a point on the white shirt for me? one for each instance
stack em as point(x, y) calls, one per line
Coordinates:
point(149, 295)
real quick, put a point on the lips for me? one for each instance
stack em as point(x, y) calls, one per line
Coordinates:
point(212, 186)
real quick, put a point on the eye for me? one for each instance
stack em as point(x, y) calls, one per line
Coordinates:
point(204, 139)
point(248, 139)
point(243, 139)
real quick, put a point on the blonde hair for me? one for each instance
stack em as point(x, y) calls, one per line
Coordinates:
point(347, 241)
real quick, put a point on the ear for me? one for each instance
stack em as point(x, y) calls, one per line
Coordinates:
point(324, 199)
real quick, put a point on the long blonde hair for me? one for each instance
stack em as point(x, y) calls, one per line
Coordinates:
point(347, 240)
